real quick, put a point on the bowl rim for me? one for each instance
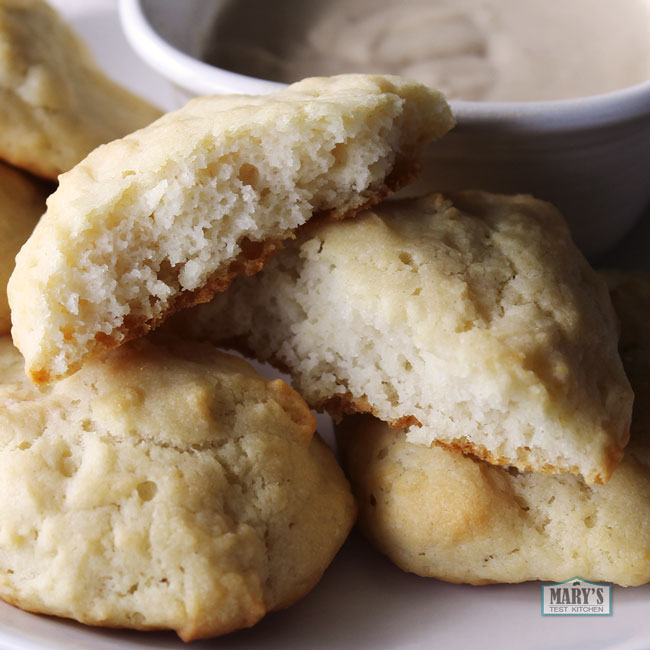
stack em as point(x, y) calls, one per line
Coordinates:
point(626, 104)
point(181, 68)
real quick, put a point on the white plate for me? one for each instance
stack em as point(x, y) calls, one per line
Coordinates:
point(363, 602)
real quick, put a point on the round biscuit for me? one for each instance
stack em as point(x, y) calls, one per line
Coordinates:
point(163, 487)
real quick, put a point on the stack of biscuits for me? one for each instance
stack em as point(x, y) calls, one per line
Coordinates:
point(466, 349)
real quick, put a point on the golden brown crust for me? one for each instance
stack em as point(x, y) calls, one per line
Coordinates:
point(191, 633)
point(253, 257)
point(613, 454)
point(198, 488)
point(251, 260)
point(438, 513)
point(404, 172)
point(347, 405)
point(481, 453)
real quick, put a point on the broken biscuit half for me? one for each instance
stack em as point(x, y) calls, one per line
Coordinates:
point(469, 318)
point(167, 216)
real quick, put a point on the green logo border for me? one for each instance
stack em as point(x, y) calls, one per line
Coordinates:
point(598, 584)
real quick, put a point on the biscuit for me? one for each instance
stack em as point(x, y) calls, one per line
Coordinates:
point(163, 487)
point(169, 215)
point(22, 202)
point(469, 317)
point(438, 513)
point(56, 105)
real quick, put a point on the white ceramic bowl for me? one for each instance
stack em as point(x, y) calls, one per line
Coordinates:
point(589, 156)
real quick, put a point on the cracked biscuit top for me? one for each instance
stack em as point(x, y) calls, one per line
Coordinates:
point(163, 487)
point(470, 317)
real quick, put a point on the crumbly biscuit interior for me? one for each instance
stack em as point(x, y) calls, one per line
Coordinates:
point(172, 238)
point(449, 322)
